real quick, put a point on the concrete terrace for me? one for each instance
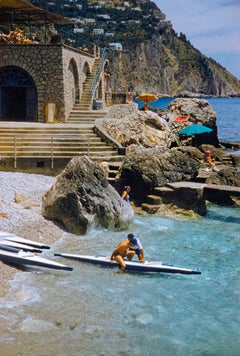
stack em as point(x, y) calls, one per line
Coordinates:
point(191, 195)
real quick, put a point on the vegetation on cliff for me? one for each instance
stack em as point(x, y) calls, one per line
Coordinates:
point(153, 56)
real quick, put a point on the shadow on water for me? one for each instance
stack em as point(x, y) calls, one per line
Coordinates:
point(229, 216)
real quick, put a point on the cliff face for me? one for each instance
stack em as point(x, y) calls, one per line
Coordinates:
point(153, 58)
point(164, 69)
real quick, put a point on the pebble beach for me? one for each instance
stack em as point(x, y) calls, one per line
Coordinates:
point(20, 199)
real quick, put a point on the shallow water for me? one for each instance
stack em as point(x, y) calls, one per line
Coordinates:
point(96, 311)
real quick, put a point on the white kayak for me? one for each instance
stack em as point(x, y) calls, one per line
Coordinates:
point(132, 266)
point(21, 240)
point(11, 246)
point(28, 258)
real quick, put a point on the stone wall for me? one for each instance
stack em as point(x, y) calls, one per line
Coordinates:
point(74, 74)
point(56, 71)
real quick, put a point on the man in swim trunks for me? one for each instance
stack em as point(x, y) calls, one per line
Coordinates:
point(120, 252)
point(136, 247)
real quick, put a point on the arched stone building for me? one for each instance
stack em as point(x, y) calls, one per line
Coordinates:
point(34, 76)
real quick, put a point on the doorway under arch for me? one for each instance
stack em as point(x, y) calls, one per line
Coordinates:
point(18, 95)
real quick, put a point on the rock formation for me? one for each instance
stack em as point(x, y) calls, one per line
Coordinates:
point(154, 58)
point(82, 198)
point(147, 168)
point(227, 176)
point(128, 125)
point(199, 112)
point(169, 65)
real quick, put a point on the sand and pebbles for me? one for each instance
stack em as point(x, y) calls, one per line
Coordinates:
point(20, 198)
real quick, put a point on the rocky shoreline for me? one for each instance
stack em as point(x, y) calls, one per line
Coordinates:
point(20, 198)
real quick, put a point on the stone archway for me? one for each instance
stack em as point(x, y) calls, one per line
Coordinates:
point(73, 69)
point(18, 95)
point(86, 71)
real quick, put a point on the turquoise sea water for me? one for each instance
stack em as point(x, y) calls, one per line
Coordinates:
point(96, 311)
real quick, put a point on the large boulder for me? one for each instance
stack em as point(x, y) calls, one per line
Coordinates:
point(128, 125)
point(147, 168)
point(82, 198)
point(200, 112)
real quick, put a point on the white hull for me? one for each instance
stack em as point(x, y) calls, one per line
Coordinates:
point(11, 237)
point(131, 266)
point(28, 258)
point(11, 246)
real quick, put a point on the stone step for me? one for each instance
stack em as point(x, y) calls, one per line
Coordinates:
point(77, 115)
point(88, 119)
point(85, 106)
point(63, 135)
point(117, 158)
point(48, 147)
point(153, 199)
point(80, 121)
point(84, 141)
point(162, 191)
point(65, 132)
point(150, 208)
point(61, 153)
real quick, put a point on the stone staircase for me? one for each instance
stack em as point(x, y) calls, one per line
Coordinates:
point(86, 97)
point(26, 146)
point(35, 142)
point(85, 117)
point(82, 112)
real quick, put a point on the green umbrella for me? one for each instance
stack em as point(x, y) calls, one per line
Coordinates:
point(194, 130)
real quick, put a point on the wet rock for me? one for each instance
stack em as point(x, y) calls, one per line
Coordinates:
point(235, 160)
point(227, 176)
point(199, 112)
point(82, 198)
point(147, 168)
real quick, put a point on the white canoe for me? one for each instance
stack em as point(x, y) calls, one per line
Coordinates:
point(21, 240)
point(132, 266)
point(28, 258)
point(11, 246)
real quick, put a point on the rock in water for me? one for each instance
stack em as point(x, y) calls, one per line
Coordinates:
point(82, 198)
point(148, 168)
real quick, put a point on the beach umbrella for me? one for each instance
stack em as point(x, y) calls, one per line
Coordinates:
point(194, 130)
point(146, 97)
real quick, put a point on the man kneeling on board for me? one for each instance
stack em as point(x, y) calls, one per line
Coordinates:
point(121, 251)
point(136, 247)
point(127, 248)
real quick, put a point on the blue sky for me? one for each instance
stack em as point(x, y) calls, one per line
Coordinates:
point(212, 26)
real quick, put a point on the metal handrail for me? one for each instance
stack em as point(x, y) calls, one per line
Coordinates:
point(98, 71)
point(51, 153)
